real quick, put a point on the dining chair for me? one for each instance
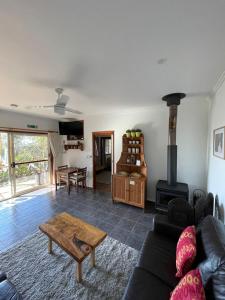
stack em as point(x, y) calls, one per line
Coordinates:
point(62, 178)
point(62, 167)
point(79, 177)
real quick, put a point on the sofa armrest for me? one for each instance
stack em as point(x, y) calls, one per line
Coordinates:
point(161, 225)
point(2, 276)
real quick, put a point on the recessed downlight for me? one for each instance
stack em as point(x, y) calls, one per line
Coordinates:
point(14, 105)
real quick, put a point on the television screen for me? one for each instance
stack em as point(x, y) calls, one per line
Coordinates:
point(73, 129)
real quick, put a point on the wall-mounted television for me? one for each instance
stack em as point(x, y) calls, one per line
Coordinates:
point(74, 130)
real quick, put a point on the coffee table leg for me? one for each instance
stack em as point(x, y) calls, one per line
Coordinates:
point(93, 258)
point(49, 246)
point(79, 272)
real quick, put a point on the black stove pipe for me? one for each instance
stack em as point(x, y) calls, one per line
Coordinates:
point(173, 100)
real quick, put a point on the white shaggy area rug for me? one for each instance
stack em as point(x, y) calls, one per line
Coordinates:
point(38, 275)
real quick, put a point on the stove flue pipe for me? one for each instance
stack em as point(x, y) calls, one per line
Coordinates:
point(173, 100)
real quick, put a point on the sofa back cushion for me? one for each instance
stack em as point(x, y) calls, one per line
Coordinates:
point(203, 208)
point(213, 268)
point(186, 251)
point(209, 204)
point(200, 210)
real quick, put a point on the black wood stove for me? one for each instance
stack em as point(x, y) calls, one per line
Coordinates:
point(170, 189)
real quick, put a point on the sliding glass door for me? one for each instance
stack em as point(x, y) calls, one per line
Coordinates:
point(30, 161)
point(26, 165)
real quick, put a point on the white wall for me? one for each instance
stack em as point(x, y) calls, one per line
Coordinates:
point(191, 138)
point(216, 173)
point(18, 120)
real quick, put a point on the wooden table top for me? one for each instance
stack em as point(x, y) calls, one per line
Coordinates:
point(67, 170)
point(61, 230)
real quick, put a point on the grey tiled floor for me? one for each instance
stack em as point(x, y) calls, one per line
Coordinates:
point(21, 216)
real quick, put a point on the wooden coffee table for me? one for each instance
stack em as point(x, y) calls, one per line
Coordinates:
point(61, 230)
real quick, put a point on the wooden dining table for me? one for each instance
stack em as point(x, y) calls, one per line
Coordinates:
point(65, 173)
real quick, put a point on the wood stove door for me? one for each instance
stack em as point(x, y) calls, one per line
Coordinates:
point(137, 192)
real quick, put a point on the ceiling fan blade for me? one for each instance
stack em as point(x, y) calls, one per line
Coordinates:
point(59, 109)
point(63, 100)
point(73, 111)
point(39, 106)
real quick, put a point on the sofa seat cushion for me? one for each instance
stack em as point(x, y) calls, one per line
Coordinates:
point(144, 286)
point(158, 256)
point(8, 291)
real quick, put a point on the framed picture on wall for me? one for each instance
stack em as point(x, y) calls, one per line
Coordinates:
point(218, 142)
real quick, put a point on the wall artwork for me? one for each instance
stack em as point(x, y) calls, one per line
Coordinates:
point(218, 142)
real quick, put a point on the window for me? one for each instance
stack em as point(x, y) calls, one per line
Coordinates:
point(108, 146)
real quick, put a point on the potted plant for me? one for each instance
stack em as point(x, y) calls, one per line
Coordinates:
point(133, 133)
point(128, 131)
point(138, 132)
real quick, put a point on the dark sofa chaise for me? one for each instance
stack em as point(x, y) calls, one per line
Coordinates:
point(154, 276)
point(7, 289)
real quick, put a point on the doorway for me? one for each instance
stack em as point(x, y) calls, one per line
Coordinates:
point(24, 163)
point(103, 160)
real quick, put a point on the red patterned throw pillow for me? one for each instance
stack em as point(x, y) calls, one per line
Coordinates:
point(190, 287)
point(186, 251)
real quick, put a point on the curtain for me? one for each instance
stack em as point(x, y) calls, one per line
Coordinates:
point(55, 141)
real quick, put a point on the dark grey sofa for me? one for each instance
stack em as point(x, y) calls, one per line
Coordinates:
point(154, 276)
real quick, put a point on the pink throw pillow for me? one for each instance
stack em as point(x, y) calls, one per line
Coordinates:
point(190, 287)
point(186, 251)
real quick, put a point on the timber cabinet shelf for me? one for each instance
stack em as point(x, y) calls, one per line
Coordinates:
point(128, 153)
point(133, 145)
point(78, 146)
point(130, 189)
point(131, 165)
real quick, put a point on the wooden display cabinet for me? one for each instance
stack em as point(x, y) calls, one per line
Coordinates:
point(130, 189)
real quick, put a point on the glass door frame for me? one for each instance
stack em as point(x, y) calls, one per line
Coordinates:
point(11, 159)
point(10, 192)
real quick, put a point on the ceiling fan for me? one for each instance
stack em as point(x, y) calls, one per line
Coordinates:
point(61, 104)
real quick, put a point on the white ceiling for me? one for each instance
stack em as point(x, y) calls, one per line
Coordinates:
point(105, 53)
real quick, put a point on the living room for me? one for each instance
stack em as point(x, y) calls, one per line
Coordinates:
point(58, 65)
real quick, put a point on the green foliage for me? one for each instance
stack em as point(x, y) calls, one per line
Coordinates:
point(27, 148)
point(4, 176)
point(30, 148)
